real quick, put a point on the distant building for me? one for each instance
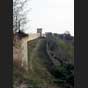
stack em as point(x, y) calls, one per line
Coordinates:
point(67, 37)
point(48, 34)
point(39, 30)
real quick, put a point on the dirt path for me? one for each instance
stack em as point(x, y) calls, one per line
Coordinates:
point(32, 54)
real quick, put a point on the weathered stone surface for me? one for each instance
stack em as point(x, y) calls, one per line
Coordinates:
point(20, 51)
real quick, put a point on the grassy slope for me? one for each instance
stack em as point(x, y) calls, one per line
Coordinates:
point(64, 51)
point(39, 75)
point(38, 60)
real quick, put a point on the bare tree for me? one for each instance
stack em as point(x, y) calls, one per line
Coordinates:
point(19, 14)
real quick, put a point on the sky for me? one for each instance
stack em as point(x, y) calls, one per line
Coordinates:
point(55, 16)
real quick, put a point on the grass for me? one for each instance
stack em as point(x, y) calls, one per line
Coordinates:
point(39, 75)
point(39, 72)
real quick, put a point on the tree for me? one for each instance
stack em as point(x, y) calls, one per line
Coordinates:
point(67, 33)
point(19, 15)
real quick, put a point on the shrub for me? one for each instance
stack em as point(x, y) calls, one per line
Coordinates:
point(64, 74)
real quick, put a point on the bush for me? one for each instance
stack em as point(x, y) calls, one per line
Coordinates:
point(64, 74)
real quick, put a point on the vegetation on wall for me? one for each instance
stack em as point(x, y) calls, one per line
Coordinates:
point(44, 72)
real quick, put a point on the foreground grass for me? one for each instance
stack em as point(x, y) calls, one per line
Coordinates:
point(40, 73)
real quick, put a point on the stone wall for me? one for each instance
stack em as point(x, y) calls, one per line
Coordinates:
point(17, 51)
point(20, 51)
point(24, 49)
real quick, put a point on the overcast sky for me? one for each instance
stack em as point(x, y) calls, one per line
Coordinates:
point(55, 16)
